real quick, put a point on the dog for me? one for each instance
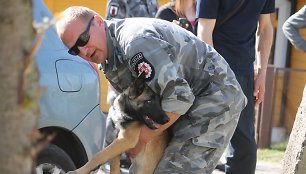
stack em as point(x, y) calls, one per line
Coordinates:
point(137, 105)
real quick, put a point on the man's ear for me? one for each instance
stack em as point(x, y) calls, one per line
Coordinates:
point(140, 82)
point(99, 19)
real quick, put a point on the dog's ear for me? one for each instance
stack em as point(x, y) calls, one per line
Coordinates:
point(138, 86)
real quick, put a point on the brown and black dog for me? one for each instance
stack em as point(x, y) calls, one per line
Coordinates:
point(137, 105)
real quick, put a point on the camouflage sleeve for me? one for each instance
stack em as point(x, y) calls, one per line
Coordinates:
point(123, 9)
point(116, 9)
point(155, 57)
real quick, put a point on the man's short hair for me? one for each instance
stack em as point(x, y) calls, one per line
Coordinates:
point(73, 13)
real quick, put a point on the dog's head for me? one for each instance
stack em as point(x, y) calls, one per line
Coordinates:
point(140, 103)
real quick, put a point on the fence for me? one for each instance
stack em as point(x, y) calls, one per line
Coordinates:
point(284, 89)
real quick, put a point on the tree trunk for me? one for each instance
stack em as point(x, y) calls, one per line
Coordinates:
point(18, 87)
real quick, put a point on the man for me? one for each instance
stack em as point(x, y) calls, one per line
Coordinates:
point(230, 26)
point(292, 27)
point(199, 91)
point(131, 8)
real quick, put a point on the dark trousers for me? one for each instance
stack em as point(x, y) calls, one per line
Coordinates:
point(241, 156)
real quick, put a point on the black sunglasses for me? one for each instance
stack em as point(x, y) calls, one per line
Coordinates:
point(82, 40)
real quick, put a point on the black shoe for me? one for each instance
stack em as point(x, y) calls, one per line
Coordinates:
point(220, 166)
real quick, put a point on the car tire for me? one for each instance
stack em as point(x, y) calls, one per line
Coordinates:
point(54, 158)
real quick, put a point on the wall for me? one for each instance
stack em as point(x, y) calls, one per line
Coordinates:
point(56, 6)
point(295, 155)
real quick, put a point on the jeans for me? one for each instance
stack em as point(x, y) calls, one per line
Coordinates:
point(241, 155)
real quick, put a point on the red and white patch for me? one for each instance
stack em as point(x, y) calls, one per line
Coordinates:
point(140, 64)
point(146, 68)
point(113, 10)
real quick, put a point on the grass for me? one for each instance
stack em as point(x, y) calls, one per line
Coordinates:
point(274, 154)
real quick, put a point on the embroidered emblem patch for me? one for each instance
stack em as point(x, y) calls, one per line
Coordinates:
point(140, 64)
point(113, 10)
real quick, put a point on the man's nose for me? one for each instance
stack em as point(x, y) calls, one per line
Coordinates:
point(83, 50)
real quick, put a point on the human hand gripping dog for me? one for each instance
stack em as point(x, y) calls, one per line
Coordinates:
point(147, 134)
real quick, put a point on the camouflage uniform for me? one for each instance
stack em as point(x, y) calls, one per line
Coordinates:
point(193, 80)
point(131, 8)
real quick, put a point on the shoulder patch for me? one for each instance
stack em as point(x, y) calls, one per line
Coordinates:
point(113, 10)
point(140, 64)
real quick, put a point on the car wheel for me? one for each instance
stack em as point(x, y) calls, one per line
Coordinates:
point(53, 160)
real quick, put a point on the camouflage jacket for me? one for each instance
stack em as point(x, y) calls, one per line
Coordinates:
point(192, 79)
point(131, 8)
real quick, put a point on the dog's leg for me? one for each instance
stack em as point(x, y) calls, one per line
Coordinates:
point(148, 159)
point(127, 139)
point(115, 165)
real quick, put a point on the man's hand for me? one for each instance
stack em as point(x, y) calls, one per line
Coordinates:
point(259, 87)
point(183, 25)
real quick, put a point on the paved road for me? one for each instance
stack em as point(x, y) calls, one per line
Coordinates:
point(263, 168)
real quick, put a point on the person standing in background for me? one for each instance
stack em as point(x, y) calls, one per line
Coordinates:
point(167, 12)
point(230, 26)
point(181, 12)
point(293, 25)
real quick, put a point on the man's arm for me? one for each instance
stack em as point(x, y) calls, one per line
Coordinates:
point(265, 38)
point(205, 30)
point(292, 26)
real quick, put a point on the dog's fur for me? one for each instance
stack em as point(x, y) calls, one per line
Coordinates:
point(138, 105)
